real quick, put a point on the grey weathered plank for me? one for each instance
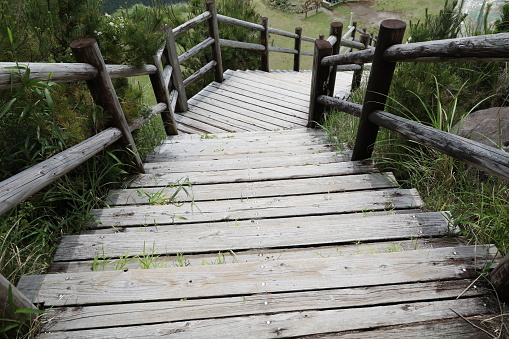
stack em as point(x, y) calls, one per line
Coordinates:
point(439, 329)
point(182, 119)
point(268, 108)
point(297, 323)
point(248, 175)
point(246, 161)
point(251, 278)
point(289, 77)
point(223, 152)
point(329, 230)
point(104, 263)
point(255, 134)
point(211, 120)
point(254, 189)
point(223, 105)
point(70, 318)
point(299, 106)
point(229, 112)
point(225, 210)
point(284, 94)
point(261, 79)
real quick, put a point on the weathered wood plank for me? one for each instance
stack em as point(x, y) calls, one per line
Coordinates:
point(269, 109)
point(297, 324)
point(238, 121)
point(254, 134)
point(298, 84)
point(69, 318)
point(318, 204)
point(242, 162)
point(221, 104)
point(338, 230)
point(223, 152)
point(247, 175)
point(252, 278)
point(440, 329)
point(255, 255)
point(182, 119)
point(283, 96)
point(212, 120)
point(260, 78)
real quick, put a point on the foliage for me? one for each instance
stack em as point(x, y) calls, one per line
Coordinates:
point(502, 25)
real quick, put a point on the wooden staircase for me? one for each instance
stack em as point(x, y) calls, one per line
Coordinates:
point(267, 232)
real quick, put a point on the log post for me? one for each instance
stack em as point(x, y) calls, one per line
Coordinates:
point(321, 36)
point(177, 82)
point(216, 48)
point(162, 95)
point(380, 77)
point(336, 29)
point(319, 80)
point(371, 37)
point(354, 24)
point(499, 278)
point(104, 94)
point(297, 47)
point(357, 74)
point(264, 41)
point(19, 301)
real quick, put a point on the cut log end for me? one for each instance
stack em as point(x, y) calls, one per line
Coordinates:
point(80, 43)
point(393, 24)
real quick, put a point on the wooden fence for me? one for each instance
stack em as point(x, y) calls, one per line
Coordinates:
point(388, 51)
point(169, 89)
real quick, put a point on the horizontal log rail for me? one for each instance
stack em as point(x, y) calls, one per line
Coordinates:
point(238, 44)
point(195, 50)
point(283, 33)
point(186, 26)
point(24, 184)
point(11, 72)
point(197, 75)
point(240, 23)
point(358, 57)
point(494, 47)
point(283, 50)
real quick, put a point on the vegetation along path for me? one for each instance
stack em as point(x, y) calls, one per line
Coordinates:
point(237, 231)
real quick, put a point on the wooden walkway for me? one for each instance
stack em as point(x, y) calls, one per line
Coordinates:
point(269, 234)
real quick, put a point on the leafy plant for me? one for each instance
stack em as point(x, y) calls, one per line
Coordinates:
point(21, 321)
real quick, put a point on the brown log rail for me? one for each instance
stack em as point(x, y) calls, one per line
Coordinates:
point(388, 51)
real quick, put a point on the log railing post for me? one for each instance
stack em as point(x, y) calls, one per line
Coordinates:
point(104, 94)
point(216, 48)
point(319, 81)
point(177, 81)
point(357, 74)
point(354, 24)
point(297, 47)
point(163, 95)
point(380, 77)
point(264, 41)
point(336, 29)
point(499, 278)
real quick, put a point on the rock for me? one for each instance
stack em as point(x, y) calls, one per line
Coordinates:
point(488, 126)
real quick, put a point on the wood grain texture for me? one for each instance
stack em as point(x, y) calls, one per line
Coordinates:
point(69, 318)
point(316, 204)
point(246, 235)
point(251, 278)
point(249, 175)
point(255, 189)
point(295, 324)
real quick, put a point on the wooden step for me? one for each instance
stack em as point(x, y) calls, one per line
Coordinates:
point(265, 233)
point(108, 316)
point(242, 209)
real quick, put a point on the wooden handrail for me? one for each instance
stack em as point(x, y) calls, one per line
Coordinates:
point(63, 72)
point(186, 26)
point(240, 23)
